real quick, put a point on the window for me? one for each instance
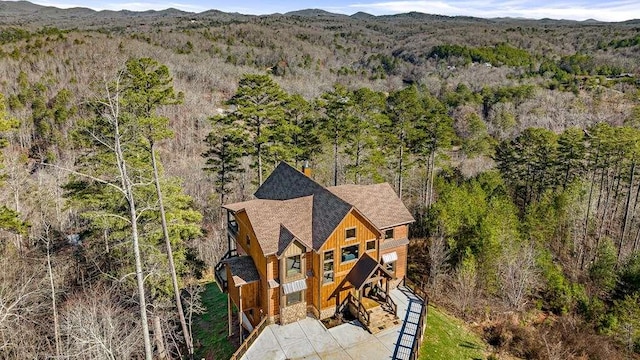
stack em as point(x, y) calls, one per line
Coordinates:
point(390, 267)
point(248, 241)
point(388, 234)
point(294, 298)
point(327, 276)
point(350, 253)
point(371, 245)
point(293, 265)
point(350, 233)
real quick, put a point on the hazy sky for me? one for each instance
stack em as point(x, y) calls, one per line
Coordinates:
point(605, 10)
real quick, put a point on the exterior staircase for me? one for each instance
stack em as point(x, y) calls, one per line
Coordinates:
point(380, 318)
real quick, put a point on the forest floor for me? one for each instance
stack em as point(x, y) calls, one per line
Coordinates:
point(210, 328)
point(448, 338)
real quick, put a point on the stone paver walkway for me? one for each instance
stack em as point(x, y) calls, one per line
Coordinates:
point(309, 339)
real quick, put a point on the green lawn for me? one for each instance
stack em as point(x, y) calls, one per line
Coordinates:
point(210, 329)
point(448, 338)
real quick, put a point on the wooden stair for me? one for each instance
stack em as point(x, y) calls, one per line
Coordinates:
point(381, 318)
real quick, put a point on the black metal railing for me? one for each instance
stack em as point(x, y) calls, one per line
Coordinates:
point(219, 268)
point(419, 292)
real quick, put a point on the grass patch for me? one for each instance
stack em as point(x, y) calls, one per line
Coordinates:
point(210, 329)
point(448, 338)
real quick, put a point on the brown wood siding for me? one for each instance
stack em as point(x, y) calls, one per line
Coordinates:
point(401, 232)
point(401, 264)
point(309, 270)
point(255, 251)
point(364, 231)
point(250, 298)
point(233, 290)
point(274, 301)
point(315, 280)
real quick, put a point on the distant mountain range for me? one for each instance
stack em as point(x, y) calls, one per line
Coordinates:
point(25, 13)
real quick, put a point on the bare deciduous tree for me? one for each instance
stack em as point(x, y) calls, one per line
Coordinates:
point(95, 325)
point(518, 274)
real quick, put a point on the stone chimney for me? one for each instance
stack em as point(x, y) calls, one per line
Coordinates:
point(306, 169)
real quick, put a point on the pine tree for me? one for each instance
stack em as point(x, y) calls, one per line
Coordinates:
point(9, 219)
point(404, 109)
point(337, 120)
point(362, 143)
point(259, 105)
point(225, 149)
point(147, 85)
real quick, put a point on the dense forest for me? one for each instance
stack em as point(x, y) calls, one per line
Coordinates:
point(515, 143)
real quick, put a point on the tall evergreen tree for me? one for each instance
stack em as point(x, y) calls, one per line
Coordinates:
point(147, 85)
point(404, 109)
point(337, 120)
point(259, 104)
point(9, 219)
point(225, 149)
point(362, 143)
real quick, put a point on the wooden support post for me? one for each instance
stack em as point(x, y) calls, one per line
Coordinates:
point(240, 312)
point(229, 314)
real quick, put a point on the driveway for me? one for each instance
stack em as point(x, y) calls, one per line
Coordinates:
point(309, 339)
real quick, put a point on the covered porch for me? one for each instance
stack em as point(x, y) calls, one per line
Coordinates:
point(369, 299)
point(243, 287)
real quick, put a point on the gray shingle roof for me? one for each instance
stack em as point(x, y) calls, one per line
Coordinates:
point(378, 202)
point(290, 206)
point(390, 244)
point(243, 270)
point(327, 210)
point(269, 217)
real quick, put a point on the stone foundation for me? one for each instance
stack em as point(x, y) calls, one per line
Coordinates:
point(293, 313)
point(327, 313)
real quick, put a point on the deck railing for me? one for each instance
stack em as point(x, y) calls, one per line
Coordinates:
point(422, 321)
point(360, 311)
point(246, 344)
point(391, 303)
point(222, 282)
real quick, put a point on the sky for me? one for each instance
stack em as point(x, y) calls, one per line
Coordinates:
point(603, 10)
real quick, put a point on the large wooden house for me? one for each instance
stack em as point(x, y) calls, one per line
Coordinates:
point(300, 248)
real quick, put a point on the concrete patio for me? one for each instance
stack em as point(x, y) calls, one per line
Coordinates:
point(309, 339)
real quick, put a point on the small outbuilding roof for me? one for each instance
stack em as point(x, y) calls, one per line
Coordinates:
point(243, 270)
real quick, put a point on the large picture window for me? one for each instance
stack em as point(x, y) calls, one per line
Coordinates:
point(293, 265)
point(350, 253)
point(328, 273)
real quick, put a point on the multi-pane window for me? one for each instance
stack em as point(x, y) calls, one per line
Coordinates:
point(350, 233)
point(388, 234)
point(293, 265)
point(371, 245)
point(294, 297)
point(327, 276)
point(390, 267)
point(349, 253)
